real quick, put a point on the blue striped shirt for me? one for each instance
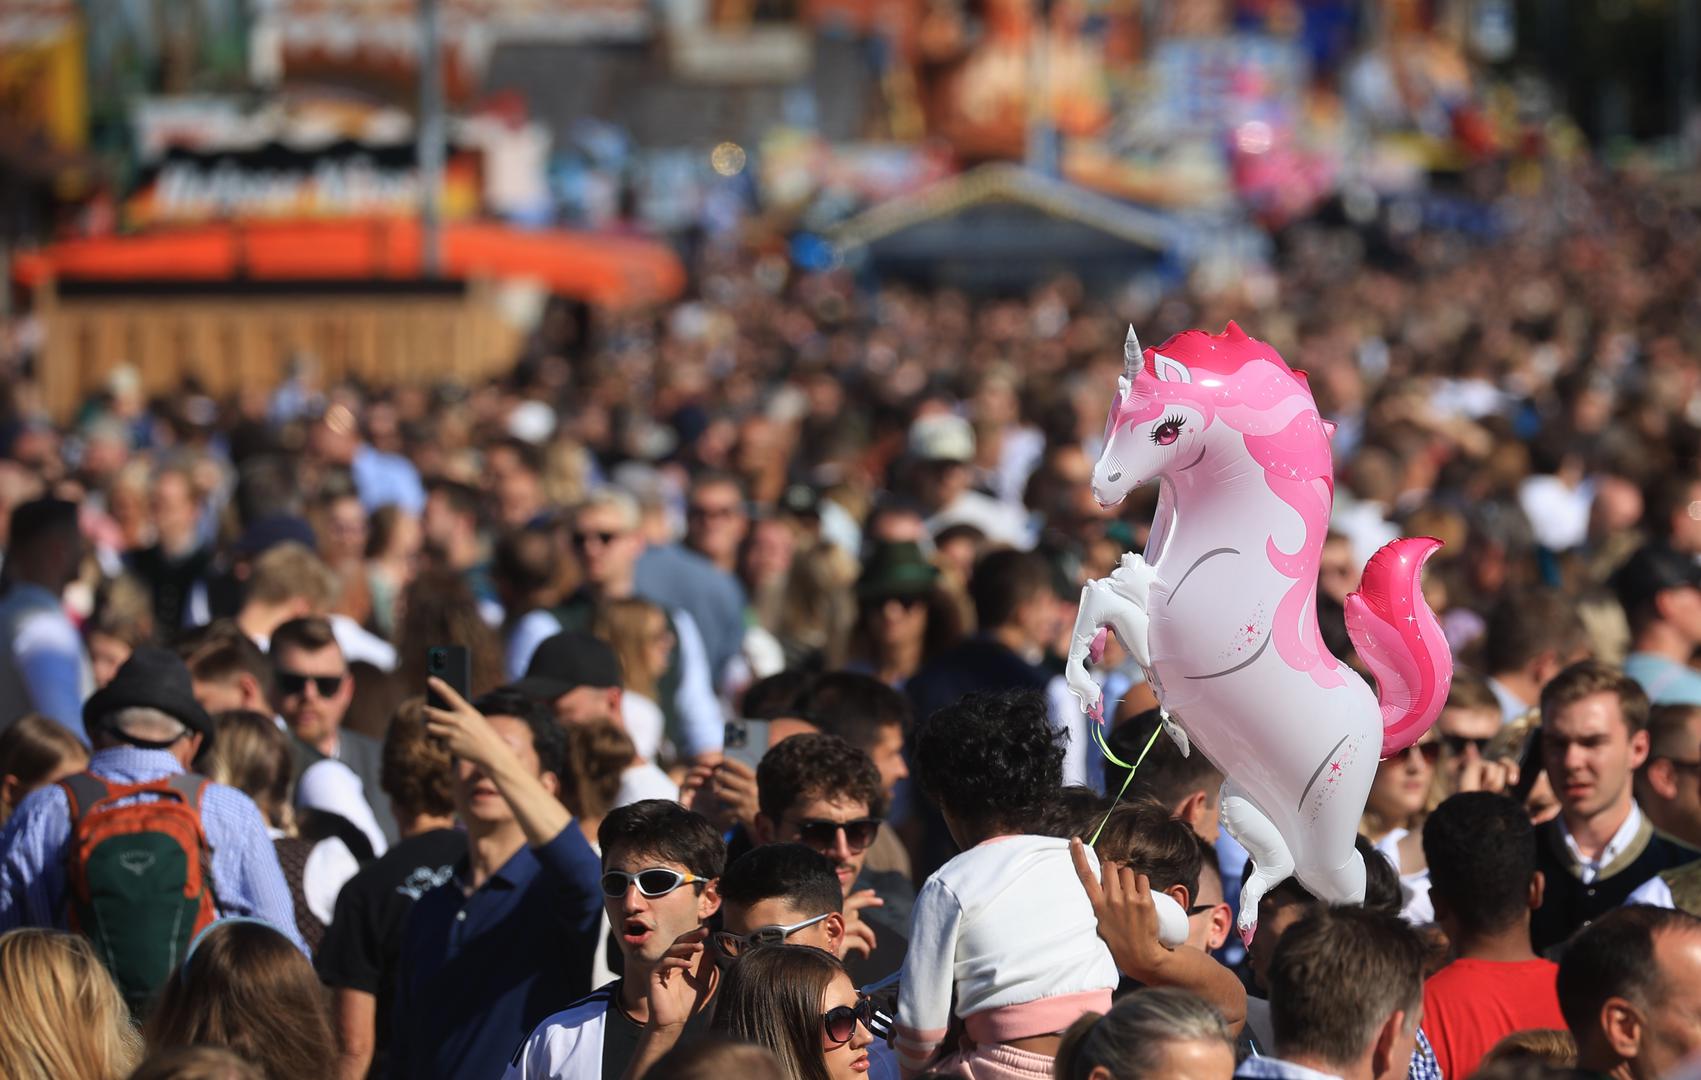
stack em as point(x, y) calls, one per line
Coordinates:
point(33, 848)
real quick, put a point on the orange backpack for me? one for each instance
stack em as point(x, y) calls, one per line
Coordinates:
point(140, 876)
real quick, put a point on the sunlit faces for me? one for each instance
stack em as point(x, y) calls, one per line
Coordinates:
point(645, 927)
point(715, 521)
point(1589, 753)
point(846, 1060)
point(808, 823)
point(742, 920)
point(1402, 784)
point(899, 620)
point(888, 755)
point(606, 543)
point(106, 655)
point(313, 693)
point(476, 796)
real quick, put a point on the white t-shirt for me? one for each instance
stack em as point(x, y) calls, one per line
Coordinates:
point(568, 1045)
point(644, 781)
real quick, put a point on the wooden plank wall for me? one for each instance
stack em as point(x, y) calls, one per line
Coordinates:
point(231, 342)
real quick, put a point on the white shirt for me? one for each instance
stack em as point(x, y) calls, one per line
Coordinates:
point(644, 781)
point(568, 1045)
point(1511, 705)
point(1415, 907)
point(1589, 869)
point(1654, 892)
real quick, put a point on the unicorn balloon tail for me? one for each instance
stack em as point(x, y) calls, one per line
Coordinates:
point(1220, 612)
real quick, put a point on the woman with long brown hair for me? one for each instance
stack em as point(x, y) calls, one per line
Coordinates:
point(246, 987)
point(643, 641)
point(64, 1015)
point(36, 752)
point(438, 608)
point(798, 1003)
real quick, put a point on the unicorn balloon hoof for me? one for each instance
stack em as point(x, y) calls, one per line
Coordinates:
point(1220, 612)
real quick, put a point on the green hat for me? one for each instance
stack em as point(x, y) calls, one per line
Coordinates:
point(896, 569)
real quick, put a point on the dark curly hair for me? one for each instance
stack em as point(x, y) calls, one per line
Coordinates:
point(992, 760)
point(816, 767)
point(417, 771)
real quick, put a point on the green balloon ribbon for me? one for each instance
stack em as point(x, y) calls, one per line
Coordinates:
point(1104, 748)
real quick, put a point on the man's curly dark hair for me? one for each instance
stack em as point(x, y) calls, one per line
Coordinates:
point(991, 760)
point(816, 766)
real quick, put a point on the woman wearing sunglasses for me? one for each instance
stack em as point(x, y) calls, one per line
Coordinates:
point(797, 1002)
point(1403, 794)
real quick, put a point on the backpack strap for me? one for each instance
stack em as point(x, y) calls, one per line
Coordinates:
point(82, 791)
point(190, 786)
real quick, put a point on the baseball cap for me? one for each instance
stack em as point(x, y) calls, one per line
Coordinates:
point(1650, 571)
point(567, 661)
point(943, 437)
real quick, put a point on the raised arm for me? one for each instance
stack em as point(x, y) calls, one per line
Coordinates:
point(468, 734)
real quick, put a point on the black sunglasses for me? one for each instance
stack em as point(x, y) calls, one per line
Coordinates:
point(291, 683)
point(824, 833)
point(583, 539)
point(840, 1021)
point(1429, 751)
point(1456, 744)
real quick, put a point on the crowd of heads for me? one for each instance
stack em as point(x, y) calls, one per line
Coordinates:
point(855, 523)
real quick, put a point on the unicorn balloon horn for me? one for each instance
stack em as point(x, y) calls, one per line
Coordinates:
point(1221, 610)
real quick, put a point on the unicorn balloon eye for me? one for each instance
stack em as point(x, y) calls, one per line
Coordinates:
point(1168, 431)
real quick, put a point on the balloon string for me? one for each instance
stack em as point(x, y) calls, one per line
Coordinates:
point(1104, 748)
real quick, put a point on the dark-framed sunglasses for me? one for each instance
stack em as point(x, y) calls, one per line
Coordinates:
point(824, 832)
point(733, 945)
point(291, 683)
point(1429, 751)
point(654, 882)
point(840, 1021)
point(582, 540)
point(1456, 744)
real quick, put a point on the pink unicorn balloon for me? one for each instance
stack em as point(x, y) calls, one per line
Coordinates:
point(1221, 611)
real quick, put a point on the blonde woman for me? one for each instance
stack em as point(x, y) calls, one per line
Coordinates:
point(642, 639)
point(1404, 792)
point(64, 1015)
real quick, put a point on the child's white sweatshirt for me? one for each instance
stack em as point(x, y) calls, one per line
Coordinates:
point(1008, 924)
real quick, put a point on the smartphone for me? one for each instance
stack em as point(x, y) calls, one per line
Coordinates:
point(746, 741)
point(452, 664)
point(1529, 766)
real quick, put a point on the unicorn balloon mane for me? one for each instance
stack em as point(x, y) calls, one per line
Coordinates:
point(1221, 610)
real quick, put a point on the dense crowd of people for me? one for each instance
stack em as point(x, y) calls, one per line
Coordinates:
point(688, 702)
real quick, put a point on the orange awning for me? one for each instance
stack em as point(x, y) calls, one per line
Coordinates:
point(612, 271)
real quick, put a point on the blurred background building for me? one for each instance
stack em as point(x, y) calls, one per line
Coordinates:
point(156, 143)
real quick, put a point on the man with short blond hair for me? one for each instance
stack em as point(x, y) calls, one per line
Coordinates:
point(606, 537)
point(1601, 847)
